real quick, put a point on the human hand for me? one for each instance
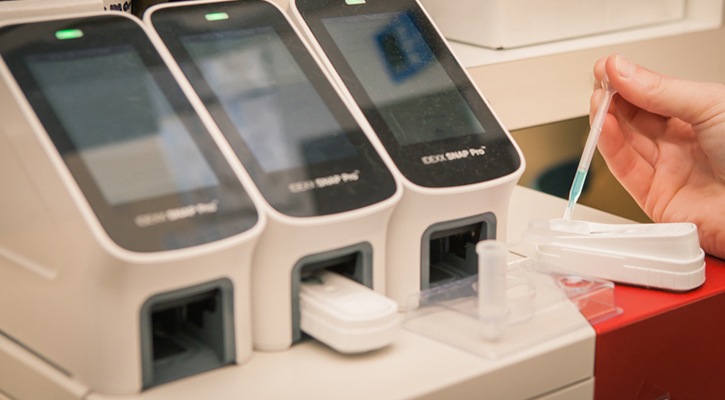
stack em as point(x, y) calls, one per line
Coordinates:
point(664, 140)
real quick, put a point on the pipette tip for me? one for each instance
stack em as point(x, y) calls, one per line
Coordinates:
point(567, 214)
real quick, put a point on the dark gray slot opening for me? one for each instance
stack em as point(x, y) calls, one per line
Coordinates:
point(449, 249)
point(354, 262)
point(186, 332)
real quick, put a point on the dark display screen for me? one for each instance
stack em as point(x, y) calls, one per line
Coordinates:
point(273, 103)
point(415, 95)
point(140, 154)
point(402, 77)
point(269, 99)
point(122, 126)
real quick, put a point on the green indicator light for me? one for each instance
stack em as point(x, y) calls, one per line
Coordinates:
point(354, 2)
point(216, 16)
point(69, 34)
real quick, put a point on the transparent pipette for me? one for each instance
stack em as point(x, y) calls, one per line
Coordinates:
point(591, 145)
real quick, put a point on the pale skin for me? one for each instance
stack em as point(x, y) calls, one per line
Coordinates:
point(664, 140)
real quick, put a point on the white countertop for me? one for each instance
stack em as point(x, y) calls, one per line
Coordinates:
point(414, 366)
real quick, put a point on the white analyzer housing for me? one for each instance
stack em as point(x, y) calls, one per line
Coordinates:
point(292, 247)
point(83, 303)
point(435, 227)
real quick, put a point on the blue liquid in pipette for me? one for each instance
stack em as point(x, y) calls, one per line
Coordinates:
point(575, 192)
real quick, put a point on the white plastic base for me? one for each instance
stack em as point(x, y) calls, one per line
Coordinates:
point(346, 315)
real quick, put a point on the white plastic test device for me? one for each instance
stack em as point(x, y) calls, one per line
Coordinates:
point(663, 256)
point(127, 223)
point(458, 164)
point(329, 195)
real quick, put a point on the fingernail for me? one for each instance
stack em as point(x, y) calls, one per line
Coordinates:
point(625, 68)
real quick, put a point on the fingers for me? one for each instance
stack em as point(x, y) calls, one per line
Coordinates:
point(644, 122)
point(637, 119)
point(630, 155)
point(599, 72)
point(624, 161)
point(595, 101)
point(692, 102)
point(640, 128)
point(594, 104)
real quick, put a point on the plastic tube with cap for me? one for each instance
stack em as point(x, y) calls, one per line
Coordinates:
point(492, 307)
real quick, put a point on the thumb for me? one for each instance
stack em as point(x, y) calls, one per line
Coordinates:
point(692, 102)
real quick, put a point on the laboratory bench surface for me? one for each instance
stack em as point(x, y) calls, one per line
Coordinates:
point(413, 367)
point(662, 343)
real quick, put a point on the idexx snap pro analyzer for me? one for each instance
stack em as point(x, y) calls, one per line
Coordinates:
point(329, 194)
point(127, 223)
point(456, 161)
